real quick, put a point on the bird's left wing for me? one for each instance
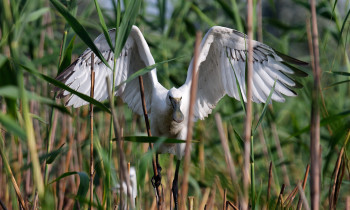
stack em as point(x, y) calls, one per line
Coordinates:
point(134, 56)
point(222, 61)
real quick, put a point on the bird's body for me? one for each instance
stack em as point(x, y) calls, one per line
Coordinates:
point(221, 69)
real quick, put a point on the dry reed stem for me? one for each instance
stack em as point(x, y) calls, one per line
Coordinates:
point(211, 200)
point(193, 92)
point(303, 197)
point(36, 199)
point(92, 132)
point(159, 193)
point(248, 120)
point(190, 202)
point(339, 181)
point(229, 203)
point(224, 203)
point(290, 197)
point(304, 185)
point(228, 158)
point(204, 198)
point(335, 174)
point(315, 116)
point(9, 171)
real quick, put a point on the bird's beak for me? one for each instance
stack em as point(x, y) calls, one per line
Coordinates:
point(177, 114)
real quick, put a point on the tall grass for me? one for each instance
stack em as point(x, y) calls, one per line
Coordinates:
point(45, 146)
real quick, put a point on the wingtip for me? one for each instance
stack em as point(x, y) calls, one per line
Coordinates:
point(291, 60)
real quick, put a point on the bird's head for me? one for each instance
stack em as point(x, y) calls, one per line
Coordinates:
point(173, 99)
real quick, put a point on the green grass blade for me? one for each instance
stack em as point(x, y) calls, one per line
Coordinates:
point(12, 126)
point(103, 24)
point(337, 83)
point(54, 154)
point(79, 29)
point(203, 16)
point(341, 73)
point(12, 92)
point(265, 107)
point(145, 70)
point(344, 22)
point(238, 87)
point(83, 188)
point(67, 56)
point(65, 87)
point(129, 18)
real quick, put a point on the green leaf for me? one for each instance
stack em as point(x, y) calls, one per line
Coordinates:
point(83, 188)
point(265, 107)
point(67, 56)
point(12, 92)
point(343, 26)
point(238, 87)
point(240, 140)
point(36, 14)
point(79, 29)
point(65, 87)
point(12, 126)
point(337, 83)
point(103, 25)
point(153, 139)
point(203, 16)
point(54, 154)
point(129, 18)
point(145, 70)
point(342, 73)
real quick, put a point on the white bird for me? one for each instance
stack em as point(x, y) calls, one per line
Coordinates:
point(220, 48)
point(132, 188)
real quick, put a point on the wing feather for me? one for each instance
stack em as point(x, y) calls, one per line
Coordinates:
point(222, 46)
point(134, 56)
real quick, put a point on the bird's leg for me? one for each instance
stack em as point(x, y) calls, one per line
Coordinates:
point(157, 180)
point(175, 183)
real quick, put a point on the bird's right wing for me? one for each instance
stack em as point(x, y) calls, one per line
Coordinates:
point(134, 56)
point(221, 69)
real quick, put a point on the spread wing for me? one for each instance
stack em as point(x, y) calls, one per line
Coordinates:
point(134, 56)
point(222, 61)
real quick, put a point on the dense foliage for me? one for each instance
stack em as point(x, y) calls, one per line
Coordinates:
point(45, 146)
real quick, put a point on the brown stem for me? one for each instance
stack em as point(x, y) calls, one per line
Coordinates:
point(159, 193)
point(193, 92)
point(304, 184)
point(228, 158)
point(315, 116)
point(92, 131)
point(248, 119)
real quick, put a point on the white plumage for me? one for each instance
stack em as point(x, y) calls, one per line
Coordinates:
point(221, 64)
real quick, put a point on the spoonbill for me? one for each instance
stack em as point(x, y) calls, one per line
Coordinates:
point(221, 65)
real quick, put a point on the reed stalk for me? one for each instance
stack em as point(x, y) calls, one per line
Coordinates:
point(9, 171)
point(193, 92)
point(248, 120)
point(92, 131)
point(315, 116)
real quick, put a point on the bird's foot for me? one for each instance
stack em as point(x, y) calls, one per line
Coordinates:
point(156, 180)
